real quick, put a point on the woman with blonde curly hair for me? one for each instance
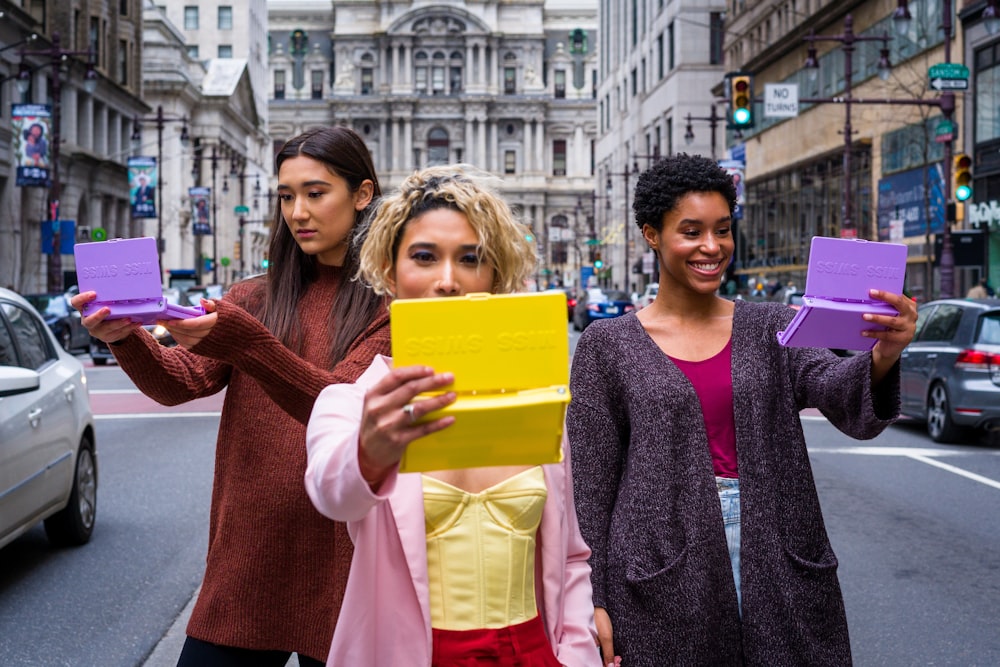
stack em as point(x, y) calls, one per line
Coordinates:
point(417, 594)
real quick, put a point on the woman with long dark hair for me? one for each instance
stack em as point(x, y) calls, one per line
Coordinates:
point(276, 568)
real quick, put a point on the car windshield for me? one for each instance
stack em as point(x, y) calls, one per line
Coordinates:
point(989, 331)
point(616, 295)
point(795, 299)
point(48, 305)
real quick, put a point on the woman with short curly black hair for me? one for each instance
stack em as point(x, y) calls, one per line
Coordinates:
point(688, 409)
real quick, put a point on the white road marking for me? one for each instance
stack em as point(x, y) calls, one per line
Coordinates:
point(923, 455)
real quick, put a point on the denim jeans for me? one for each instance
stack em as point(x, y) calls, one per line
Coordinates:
point(729, 496)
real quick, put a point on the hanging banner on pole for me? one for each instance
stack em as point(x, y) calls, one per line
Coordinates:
point(67, 236)
point(31, 125)
point(200, 225)
point(142, 177)
point(735, 170)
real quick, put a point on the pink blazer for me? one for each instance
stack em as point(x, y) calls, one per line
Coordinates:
point(385, 619)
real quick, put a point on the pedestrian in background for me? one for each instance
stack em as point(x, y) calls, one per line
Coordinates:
point(692, 479)
point(978, 291)
point(276, 568)
point(481, 566)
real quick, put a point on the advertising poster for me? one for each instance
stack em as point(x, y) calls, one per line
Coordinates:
point(32, 127)
point(735, 169)
point(142, 176)
point(200, 224)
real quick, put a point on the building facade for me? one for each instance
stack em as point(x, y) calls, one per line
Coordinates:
point(659, 63)
point(206, 69)
point(508, 87)
point(92, 130)
point(874, 168)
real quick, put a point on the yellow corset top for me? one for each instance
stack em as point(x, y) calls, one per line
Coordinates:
point(481, 551)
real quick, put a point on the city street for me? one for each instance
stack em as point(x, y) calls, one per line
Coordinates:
point(915, 526)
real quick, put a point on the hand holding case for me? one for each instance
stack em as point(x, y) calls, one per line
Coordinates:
point(839, 276)
point(125, 273)
point(510, 357)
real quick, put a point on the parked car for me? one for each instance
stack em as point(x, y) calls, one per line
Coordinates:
point(950, 372)
point(62, 318)
point(599, 304)
point(48, 459)
point(100, 353)
point(570, 301)
point(794, 299)
point(648, 296)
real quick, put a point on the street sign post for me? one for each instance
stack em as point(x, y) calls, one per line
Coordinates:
point(949, 76)
point(781, 100)
point(945, 131)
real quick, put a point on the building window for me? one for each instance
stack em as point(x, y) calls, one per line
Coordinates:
point(715, 38)
point(225, 50)
point(192, 51)
point(94, 38)
point(367, 80)
point(559, 157)
point(299, 42)
point(987, 73)
point(510, 162)
point(560, 84)
point(420, 72)
point(190, 18)
point(225, 17)
point(279, 84)
point(123, 62)
point(437, 74)
point(437, 147)
point(509, 80)
point(578, 42)
point(123, 7)
point(670, 47)
point(316, 84)
point(659, 57)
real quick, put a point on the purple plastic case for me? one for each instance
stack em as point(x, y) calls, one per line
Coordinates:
point(125, 273)
point(840, 274)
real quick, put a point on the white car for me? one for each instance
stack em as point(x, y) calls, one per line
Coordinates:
point(648, 296)
point(48, 460)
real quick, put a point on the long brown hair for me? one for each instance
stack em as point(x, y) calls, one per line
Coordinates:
point(290, 271)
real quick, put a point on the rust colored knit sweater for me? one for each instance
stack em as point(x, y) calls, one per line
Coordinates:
point(276, 568)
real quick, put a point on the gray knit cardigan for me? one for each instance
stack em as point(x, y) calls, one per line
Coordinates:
point(648, 505)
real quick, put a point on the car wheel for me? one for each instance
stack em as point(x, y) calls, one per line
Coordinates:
point(74, 525)
point(940, 426)
point(66, 339)
point(100, 361)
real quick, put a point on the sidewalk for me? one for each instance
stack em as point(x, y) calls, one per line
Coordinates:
point(168, 649)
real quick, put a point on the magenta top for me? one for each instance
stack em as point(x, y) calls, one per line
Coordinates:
point(713, 382)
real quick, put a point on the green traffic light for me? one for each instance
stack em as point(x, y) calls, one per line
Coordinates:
point(598, 264)
point(741, 116)
point(963, 192)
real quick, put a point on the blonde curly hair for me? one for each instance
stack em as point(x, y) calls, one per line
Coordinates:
point(503, 243)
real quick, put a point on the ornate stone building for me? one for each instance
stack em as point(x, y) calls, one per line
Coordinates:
point(506, 86)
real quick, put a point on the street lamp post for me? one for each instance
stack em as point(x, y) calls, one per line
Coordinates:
point(713, 119)
point(57, 56)
point(161, 120)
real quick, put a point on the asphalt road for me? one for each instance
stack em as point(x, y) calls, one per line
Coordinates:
point(915, 526)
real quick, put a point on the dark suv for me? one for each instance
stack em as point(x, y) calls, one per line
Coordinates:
point(950, 373)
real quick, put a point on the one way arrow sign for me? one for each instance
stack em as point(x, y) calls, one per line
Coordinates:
point(950, 84)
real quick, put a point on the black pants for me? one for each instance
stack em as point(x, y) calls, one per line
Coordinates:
point(197, 653)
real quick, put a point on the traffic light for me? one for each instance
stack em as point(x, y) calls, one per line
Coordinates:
point(962, 177)
point(598, 262)
point(740, 101)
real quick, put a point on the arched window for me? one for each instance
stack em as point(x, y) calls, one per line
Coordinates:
point(437, 73)
point(420, 71)
point(299, 42)
point(510, 74)
point(437, 147)
point(455, 72)
point(367, 74)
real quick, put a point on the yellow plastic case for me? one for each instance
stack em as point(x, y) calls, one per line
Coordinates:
point(510, 357)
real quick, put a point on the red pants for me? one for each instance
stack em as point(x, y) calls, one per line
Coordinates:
point(521, 645)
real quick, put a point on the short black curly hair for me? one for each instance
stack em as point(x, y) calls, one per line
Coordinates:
point(660, 187)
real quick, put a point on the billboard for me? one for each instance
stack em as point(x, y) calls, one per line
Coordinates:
point(31, 125)
point(904, 197)
point(142, 178)
point(200, 225)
